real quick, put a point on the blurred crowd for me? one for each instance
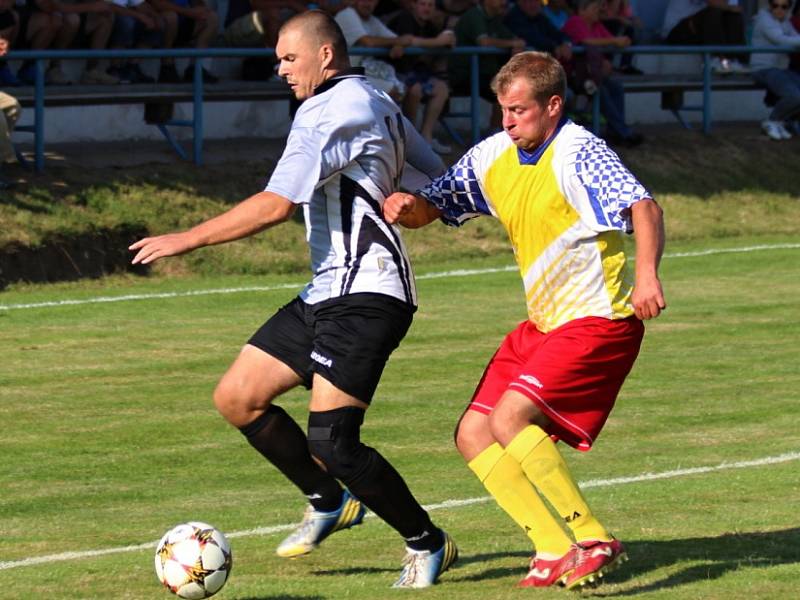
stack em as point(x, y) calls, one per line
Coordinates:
point(421, 84)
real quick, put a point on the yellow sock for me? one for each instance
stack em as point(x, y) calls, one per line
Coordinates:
point(507, 484)
point(545, 468)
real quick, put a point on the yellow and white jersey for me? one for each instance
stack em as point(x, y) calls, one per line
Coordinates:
point(566, 209)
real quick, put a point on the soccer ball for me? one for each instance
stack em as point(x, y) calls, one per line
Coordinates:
point(193, 560)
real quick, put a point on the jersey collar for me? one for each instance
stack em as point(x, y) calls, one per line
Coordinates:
point(532, 158)
point(344, 74)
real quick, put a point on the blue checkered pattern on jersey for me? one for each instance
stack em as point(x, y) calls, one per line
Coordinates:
point(612, 188)
point(457, 193)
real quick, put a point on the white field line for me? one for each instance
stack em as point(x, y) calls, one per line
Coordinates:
point(759, 462)
point(284, 286)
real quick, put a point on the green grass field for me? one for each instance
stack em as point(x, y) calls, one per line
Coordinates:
point(109, 437)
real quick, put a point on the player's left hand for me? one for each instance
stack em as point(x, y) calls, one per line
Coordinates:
point(648, 298)
point(153, 248)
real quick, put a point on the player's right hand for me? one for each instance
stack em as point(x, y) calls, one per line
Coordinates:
point(397, 205)
point(153, 248)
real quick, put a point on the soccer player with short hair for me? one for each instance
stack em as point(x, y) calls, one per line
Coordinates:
point(566, 201)
point(344, 155)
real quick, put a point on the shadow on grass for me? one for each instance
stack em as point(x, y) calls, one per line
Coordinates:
point(716, 555)
point(283, 597)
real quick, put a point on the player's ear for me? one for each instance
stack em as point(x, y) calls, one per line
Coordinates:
point(555, 105)
point(326, 55)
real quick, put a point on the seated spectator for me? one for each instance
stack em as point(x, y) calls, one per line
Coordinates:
point(255, 23)
point(43, 27)
point(136, 25)
point(592, 70)
point(558, 11)
point(707, 23)
point(773, 28)
point(190, 23)
point(453, 9)
point(362, 28)
point(424, 76)
point(621, 21)
point(95, 21)
point(794, 59)
point(483, 26)
point(526, 19)
point(10, 109)
point(9, 29)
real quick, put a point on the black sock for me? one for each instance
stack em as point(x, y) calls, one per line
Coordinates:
point(280, 440)
point(374, 481)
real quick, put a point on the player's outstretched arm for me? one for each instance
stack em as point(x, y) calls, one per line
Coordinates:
point(648, 227)
point(409, 210)
point(250, 216)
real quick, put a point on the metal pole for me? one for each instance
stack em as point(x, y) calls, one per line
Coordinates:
point(197, 118)
point(706, 92)
point(474, 99)
point(38, 117)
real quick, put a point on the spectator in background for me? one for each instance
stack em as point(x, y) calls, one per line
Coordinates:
point(43, 26)
point(773, 28)
point(424, 75)
point(707, 23)
point(189, 23)
point(526, 20)
point(483, 26)
point(362, 28)
point(255, 23)
point(9, 29)
point(620, 20)
point(94, 20)
point(136, 25)
point(794, 62)
point(453, 9)
point(10, 108)
point(592, 70)
point(558, 11)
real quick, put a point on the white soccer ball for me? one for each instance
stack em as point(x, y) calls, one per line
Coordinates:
point(193, 560)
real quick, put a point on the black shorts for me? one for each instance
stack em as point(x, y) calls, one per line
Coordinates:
point(346, 340)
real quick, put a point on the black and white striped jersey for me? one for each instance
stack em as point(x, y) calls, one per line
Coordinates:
point(344, 155)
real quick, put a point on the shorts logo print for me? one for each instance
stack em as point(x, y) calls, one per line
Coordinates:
point(532, 380)
point(323, 360)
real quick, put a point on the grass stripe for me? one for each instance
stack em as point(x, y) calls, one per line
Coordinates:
point(759, 462)
point(284, 286)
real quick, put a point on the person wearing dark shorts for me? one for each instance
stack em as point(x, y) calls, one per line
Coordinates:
point(344, 155)
point(191, 23)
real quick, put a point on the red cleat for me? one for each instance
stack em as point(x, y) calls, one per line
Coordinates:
point(544, 573)
point(594, 560)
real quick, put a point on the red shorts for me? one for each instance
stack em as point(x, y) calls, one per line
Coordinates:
point(572, 374)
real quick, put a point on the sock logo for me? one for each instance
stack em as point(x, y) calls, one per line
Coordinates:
point(572, 517)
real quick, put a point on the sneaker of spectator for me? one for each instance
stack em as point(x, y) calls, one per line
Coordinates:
point(208, 76)
point(97, 77)
point(785, 133)
point(773, 129)
point(136, 75)
point(119, 73)
point(721, 66)
point(55, 76)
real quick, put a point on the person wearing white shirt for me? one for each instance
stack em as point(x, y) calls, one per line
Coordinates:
point(772, 27)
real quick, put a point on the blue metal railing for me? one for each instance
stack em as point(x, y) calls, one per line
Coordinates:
point(196, 121)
